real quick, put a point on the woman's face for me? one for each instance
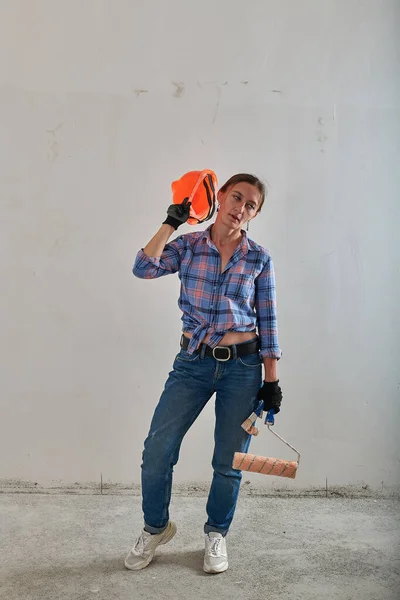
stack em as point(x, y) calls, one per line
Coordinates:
point(239, 204)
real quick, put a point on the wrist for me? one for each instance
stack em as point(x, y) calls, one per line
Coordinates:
point(166, 227)
point(172, 222)
point(270, 369)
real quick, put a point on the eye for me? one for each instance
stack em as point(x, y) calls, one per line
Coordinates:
point(237, 197)
point(250, 207)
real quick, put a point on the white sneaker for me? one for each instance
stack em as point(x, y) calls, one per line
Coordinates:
point(145, 548)
point(216, 556)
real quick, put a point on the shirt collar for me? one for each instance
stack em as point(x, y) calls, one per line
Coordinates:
point(244, 244)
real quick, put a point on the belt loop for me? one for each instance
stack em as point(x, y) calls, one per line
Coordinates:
point(234, 351)
point(203, 348)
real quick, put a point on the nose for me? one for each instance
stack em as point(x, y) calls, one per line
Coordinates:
point(239, 211)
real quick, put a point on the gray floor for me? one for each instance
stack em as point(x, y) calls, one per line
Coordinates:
point(72, 548)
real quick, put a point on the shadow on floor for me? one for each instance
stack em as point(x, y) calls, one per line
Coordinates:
point(95, 573)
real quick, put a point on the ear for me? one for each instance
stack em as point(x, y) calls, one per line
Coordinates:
point(220, 196)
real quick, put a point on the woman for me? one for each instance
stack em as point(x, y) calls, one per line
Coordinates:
point(227, 295)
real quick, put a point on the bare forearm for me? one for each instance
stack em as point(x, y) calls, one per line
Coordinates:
point(156, 245)
point(270, 369)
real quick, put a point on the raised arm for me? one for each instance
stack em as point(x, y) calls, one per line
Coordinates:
point(159, 258)
point(156, 245)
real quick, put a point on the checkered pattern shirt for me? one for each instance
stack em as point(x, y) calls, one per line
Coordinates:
point(241, 298)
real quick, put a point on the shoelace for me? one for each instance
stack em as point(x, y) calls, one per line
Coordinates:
point(139, 546)
point(215, 548)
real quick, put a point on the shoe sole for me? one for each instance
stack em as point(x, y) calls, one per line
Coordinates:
point(215, 571)
point(167, 539)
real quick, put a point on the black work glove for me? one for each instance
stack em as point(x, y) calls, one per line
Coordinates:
point(271, 394)
point(178, 214)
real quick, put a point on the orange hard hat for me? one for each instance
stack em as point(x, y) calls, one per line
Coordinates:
point(200, 187)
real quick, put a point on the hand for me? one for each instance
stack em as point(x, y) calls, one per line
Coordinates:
point(271, 394)
point(177, 214)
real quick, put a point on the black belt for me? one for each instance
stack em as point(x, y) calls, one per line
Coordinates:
point(224, 353)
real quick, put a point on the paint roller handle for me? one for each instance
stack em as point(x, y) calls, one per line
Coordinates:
point(270, 418)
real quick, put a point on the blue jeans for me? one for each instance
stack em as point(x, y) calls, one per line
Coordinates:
point(191, 383)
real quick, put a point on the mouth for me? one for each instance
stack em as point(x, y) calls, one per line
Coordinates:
point(235, 219)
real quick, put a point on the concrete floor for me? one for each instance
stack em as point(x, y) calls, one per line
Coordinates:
point(72, 548)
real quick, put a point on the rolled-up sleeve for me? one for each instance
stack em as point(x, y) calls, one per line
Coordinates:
point(265, 304)
point(147, 267)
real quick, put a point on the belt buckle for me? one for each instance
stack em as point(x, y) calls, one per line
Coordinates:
point(222, 348)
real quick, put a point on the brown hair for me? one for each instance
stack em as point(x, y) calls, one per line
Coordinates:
point(247, 178)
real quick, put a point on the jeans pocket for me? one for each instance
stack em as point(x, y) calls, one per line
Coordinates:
point(186, 357)
point(251, 361)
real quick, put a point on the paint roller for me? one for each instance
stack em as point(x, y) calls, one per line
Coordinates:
point(263, 464)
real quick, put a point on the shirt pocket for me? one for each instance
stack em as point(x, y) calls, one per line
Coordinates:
point(239, 287)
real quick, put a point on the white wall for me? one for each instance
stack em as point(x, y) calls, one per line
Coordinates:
point(307, 95)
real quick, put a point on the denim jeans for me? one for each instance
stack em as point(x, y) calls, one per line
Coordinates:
point(191, 383)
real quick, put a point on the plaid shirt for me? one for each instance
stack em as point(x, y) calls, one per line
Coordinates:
point(241, 298)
